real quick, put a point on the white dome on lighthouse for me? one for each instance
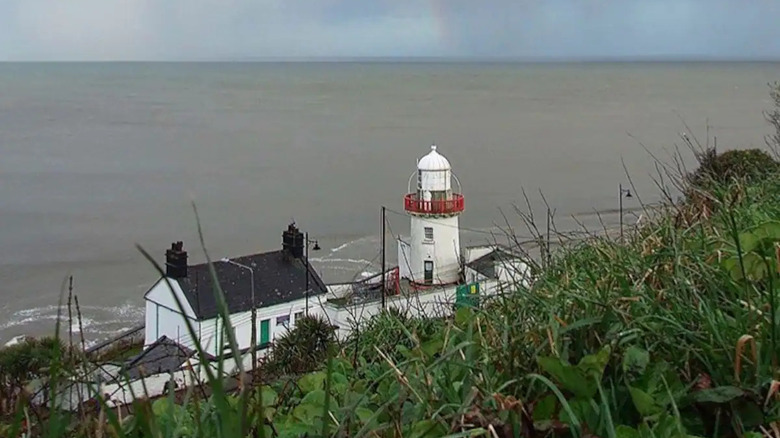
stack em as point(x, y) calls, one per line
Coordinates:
point(434, 161)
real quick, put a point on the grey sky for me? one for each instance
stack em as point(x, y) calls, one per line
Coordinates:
point(227, 29)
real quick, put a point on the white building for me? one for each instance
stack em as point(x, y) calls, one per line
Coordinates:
point(434, 274)
point(280, 284)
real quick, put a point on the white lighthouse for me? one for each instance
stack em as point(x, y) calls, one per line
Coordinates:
point(432, 256)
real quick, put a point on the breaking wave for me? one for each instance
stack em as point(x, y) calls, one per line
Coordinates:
point(97, 322)
point(350, 243)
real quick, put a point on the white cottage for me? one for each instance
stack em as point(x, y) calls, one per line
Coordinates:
point(280, 284)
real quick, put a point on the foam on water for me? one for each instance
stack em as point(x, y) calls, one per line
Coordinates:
point(15, 340)
point(333, 260)
point(96, 321)
point(348, 244)
point(340, 247)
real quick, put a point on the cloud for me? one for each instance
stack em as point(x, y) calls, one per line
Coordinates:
point(82, 28)
point(220, 29)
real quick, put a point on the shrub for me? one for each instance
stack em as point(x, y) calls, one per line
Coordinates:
point(748, 165)
point(773, 117)
point(24, 361)
point(391, 331)
point(303, 349)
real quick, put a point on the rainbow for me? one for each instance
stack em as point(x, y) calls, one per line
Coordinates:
point(439, 17)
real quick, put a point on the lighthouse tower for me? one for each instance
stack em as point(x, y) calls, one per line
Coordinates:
point(432, 255)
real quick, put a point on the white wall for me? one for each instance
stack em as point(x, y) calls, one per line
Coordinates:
point(513, 272)
point(338, 290)
point(472, 275)
point(207, 334)
point(404, 259)
point(161, 294)
point(443, 250)
point(122, 392)
point(191, 372)
point(435, 303)
point(242, 323)
point(472, 253)
point(150, 323)
point(163, 317)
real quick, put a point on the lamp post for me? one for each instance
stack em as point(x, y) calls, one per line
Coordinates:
point(316, 248)
point(254, 311)
point(627, 194)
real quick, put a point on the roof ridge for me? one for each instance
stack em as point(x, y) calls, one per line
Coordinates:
point(277, 280)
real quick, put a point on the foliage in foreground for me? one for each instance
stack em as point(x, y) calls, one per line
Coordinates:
point(27, 360)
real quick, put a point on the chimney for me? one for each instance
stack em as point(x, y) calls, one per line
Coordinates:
point(292, 242)
point(176, 261)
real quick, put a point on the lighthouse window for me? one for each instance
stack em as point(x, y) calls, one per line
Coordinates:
point(419, 180)
point(429, 233)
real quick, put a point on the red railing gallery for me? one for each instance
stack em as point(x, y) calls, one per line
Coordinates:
point(413, 204)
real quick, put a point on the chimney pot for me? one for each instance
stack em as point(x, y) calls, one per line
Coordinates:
point(176, 261)
point(292, 242)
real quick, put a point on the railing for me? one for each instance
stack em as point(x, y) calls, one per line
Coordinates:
point(127, 337)
point(413, 204)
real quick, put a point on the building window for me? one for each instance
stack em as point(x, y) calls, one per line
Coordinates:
point(419, 180)
point(428, 233)
point(298, 316)
point(283, 321)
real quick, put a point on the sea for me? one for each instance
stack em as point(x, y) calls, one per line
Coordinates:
point(100, 162)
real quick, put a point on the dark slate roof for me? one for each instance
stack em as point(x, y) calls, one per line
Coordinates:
point(486, 265)
point(278, 279)
point(163, 356)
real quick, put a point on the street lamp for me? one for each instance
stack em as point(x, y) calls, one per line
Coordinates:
point(627, 194)
point(254, 312)
point(316, 248)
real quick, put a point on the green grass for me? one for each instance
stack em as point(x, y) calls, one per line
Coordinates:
point(673, 332)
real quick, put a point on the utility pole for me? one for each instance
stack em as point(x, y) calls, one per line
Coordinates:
point(384, 282)
point(254, 311)
point(627, 193)
point(70, 315)
point(307, 272)
point(621, 212)
point(254, 323)
point(549, 219)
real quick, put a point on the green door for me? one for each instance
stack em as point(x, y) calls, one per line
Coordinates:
point(265, 331)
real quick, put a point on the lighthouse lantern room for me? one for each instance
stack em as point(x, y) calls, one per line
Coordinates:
point(432, 255)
